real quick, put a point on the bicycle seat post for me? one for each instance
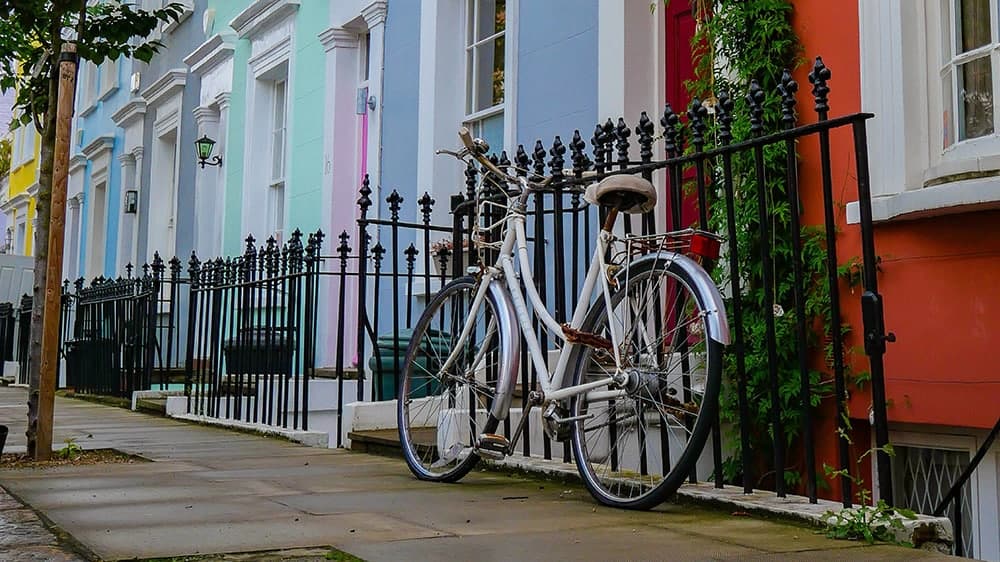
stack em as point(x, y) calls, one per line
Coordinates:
point(609, 221)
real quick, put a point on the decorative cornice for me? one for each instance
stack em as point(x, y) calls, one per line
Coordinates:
point(76, 162)
point(209, 54)
point(280, 51)
point(223, 99)
point(137, 152)
point(374, 13)
point(262, 14)
point(187, 8)
point(172, 80)
point(73, 203)
point(126, 158)
point(134, 109)
point(204, 114)
point(338, 38)
point(98, 145)
point(15, 202)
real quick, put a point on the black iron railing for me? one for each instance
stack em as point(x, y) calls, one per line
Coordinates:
point(251, 333)
point(241, 335)
point(954, 495)
point(560, 230)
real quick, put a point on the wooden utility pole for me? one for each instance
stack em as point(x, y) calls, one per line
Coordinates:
point(57, 227)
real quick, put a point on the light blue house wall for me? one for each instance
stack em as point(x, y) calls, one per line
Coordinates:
point(94, 124)
point(555, 91)
point(304, 152)
point(181, 41)
point(305, 121)
point(556, 69)
point(232, 231)
point(400, 82)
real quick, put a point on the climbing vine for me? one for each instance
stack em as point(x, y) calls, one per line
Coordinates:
point(736, 42)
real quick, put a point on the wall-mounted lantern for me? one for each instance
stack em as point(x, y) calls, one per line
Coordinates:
point(131, 202)
point(204, 146)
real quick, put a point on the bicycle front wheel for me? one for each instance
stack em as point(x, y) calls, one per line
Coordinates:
point(448, 384)
point(635, 443)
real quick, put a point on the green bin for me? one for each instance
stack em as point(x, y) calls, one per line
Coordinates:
point(384, 372)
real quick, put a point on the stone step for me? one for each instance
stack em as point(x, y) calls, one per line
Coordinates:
point(152, 405)
point(383, 442)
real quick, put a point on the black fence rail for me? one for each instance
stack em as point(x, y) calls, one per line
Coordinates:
point(8, 333)
point(114, 336)
point(716, 178)
point(955, 494)
point(23, 338)
point(241, 335)
point(251, 334)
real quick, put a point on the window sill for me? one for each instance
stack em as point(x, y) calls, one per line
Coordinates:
point(105, 94)
point(187, 9)
point(964, 196)
point(86, 111)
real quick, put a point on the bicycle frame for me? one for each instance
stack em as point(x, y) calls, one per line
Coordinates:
point(503, 271)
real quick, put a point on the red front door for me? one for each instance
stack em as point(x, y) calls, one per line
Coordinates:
point(680, 27)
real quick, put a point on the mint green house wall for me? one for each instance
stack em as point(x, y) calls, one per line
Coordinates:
point(225, 11)
point(306, 116)
point(303, 189)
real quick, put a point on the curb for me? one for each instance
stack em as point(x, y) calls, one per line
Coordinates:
point(308, 438)
point(925, 532)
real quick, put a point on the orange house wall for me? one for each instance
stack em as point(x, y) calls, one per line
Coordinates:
point(938, 275)
point(833, 34)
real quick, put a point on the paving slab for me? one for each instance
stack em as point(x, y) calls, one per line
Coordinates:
point(213, 491)
point(24, 537)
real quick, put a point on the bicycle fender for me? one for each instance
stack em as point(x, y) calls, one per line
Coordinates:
point(704, 286)
point(510, 350)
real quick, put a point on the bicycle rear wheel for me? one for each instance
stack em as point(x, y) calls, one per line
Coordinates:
point(443, 408)
point(635, 444)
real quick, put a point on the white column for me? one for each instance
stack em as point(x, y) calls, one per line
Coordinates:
point(72, 240)
point(374, 16)
point(140, 217)
point(126, 224)
point(222, 102)
point(340, 166)
point(206, 189)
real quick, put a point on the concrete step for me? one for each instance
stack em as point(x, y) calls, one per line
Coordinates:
point(152, 405)
point(383, 442)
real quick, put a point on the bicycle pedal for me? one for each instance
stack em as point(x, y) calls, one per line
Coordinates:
point(492, 446)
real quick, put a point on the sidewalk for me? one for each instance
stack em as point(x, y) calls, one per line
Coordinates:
point(211, 491)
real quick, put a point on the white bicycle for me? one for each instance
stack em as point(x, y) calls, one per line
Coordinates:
point(636, 382)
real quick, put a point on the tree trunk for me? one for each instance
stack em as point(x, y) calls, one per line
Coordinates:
point(40, 245)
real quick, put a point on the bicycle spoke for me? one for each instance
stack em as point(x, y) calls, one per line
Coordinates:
point(631, 434)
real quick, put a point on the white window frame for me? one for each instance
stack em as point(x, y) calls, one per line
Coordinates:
point(108, 78)
point(88, 88)
point(983, 483)
point(474, 118)
point(279, 135)
point(24, 145)
point(278, 141)
point(904, 47)
point(951, 59)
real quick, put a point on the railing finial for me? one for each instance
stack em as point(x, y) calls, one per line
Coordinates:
point(818, 78)
point(788, 87)
point(755, 99)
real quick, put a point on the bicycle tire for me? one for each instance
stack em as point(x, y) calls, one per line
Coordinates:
point(426, 398)
point(609, 482)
